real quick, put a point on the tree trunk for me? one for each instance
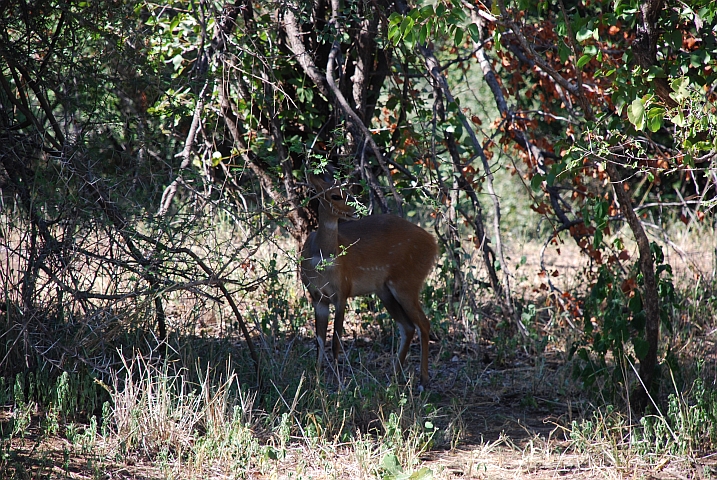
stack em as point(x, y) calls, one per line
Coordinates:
point(650, 299)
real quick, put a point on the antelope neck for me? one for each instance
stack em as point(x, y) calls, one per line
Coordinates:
point(327, 233)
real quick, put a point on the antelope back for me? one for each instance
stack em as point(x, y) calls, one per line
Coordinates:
point(385, 248)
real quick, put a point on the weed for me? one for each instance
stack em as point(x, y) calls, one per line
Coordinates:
point(22, 418)
point(391, 470)
point(601, 435)
point(687, 428)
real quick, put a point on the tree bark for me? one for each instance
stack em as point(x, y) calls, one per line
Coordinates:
point(644, 48)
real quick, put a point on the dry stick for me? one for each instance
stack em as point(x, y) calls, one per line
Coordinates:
point(42, 99)
point(328, 87)
point(372, 181)
point(296, 213)
point(645, 51)
point(578, 74)
point(528, 48)
point(108, 207)
point(650, 12)
point(171, 190)
point(286, 164)
point(224, 27)
point(96, 186)
point(219, 282)
point(435, 71)
point(478, 17)
point(232, 123)
point(644, 48)
point(22, 105)
point(294, 34)
point(477, 218)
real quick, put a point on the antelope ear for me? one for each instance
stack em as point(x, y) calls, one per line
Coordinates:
point(321, 182)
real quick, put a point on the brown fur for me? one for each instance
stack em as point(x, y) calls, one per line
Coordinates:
point(381, 254)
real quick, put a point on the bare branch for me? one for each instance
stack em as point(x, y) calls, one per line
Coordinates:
point(185, 155)
point(651, 298)
point(293, 34)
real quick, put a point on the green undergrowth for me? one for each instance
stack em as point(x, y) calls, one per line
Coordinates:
point(682, 432)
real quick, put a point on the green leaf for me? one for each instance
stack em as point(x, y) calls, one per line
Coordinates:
point(424, 473)
point(583, 35)
point(550, 179)
point(583, 355)
point(177, 61)
point(636, 113)
point(473, 30)
point(391, 464)
point(679, 120)
point(174, 23)
point(563, 52)
point(423, 34)
point(406, 25)
point(680, 89)
point(458, 37)
point(641, 347)
point(584, 60)
point(394, 34)
point(409, 39)
point(427, 11)
point(635, 304)
point(536, 183)
point(655, 118)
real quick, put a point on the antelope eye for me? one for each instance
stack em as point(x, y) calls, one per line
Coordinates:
point(335, 197)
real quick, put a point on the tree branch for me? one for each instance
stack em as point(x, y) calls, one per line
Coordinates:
point(293, 35)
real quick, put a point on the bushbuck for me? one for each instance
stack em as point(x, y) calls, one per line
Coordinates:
point(381, 254)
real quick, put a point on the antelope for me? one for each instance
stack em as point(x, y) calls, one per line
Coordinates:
point(381, 254)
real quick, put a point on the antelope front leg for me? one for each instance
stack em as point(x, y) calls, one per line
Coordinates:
point(321, 312)
point(338, 330)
